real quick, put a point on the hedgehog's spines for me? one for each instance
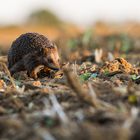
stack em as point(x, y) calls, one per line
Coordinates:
point(33, 49)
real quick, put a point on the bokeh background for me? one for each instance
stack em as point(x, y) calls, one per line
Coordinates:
point(65, 19)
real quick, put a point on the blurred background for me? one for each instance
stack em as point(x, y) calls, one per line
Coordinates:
point(68, 19)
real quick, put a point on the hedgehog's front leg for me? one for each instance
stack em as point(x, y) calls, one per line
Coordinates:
point(19, 66)
point(33, 73)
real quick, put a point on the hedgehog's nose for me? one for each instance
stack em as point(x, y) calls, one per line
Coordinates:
point(56, 69)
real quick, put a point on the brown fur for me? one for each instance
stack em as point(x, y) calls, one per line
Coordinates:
point(31, 50)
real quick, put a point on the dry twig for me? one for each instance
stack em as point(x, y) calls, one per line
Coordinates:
point(78, 89)
point(3, 59)
point(8, 73)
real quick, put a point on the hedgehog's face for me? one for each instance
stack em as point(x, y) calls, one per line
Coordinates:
point(51, 57)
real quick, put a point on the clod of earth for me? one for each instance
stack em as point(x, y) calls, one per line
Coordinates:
point(119, 65)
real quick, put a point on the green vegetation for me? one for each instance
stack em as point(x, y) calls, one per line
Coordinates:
point(85, 76)
point(44, 17)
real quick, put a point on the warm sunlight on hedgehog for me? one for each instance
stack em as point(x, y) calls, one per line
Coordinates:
point(31, 50)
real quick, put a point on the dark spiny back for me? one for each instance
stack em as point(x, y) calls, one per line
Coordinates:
point(26, 43)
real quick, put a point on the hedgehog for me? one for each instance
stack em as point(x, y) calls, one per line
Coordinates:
point(31, 50)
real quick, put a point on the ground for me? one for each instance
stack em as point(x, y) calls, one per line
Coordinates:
point(95, 96)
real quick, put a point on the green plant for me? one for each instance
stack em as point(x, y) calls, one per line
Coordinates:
point(44, 17)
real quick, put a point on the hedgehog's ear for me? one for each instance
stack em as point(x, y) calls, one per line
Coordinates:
point(54, 45)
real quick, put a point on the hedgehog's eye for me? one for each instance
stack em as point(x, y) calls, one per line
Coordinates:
point(50, 60)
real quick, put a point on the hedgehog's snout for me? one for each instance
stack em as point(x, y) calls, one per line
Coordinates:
point(51, 64)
